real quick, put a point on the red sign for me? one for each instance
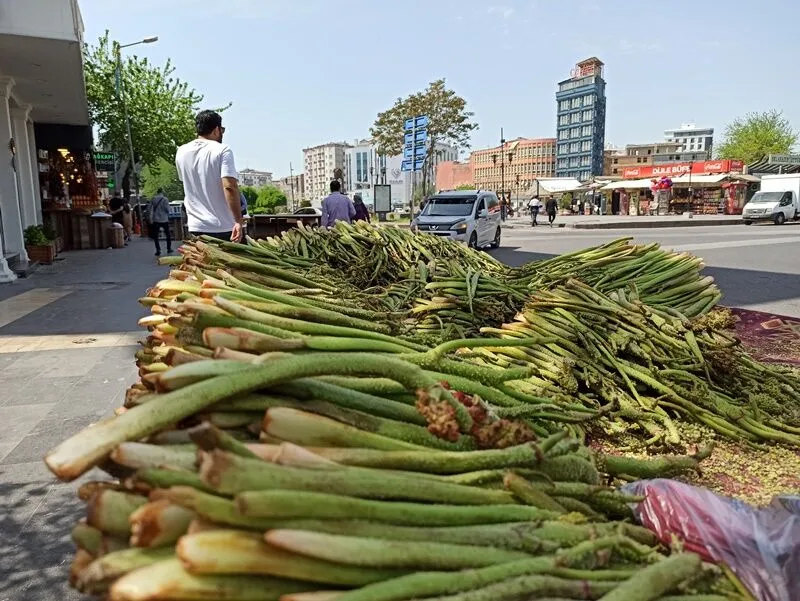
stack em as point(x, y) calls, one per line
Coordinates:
point(676, 169)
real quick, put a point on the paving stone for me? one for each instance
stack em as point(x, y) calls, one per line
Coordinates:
point(56, 364)
point(34, 391)
point(16, 422)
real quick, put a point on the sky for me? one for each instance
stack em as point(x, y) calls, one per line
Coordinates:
point(304, 72)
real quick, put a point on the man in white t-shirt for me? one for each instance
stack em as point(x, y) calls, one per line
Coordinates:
point(210, 182)
point(534, 205)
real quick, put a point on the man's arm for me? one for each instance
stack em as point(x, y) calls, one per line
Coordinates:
point(230, 185)
point(351, 209)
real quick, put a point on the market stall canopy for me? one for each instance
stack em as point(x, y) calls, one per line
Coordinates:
point(629, 184)
point(776, 163)
point(712, 180)
point(554, 185)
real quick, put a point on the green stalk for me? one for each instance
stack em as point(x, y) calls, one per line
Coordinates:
point(308, 429)
point(96, 578)
point(208, 438)
point(376, 553)
point(197, 371)
point(540, 586)
point(531, 495)
point(377, 386)
point(91, 446)
point(233, 552)
point(211, 507)
point(282, 504)
point(431, 584)
point(303, 327)
point(230, 474)
point(159, 523)
point(657, 579)
point(203, 320)
point(164, 478)
point(316, 389)
point(255, 342)
point(109, 510)
point(660, 467)
point(87, 537)
point(438, 462)
point(139, 455)
point(316, 315)
point(168, 580)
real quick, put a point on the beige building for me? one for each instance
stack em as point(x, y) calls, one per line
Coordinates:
point(294, 186)
point(616, 160)
point(255, 178)
point(514, 166)
point(321, 163)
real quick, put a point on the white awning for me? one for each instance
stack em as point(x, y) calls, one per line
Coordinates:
point(554, 185)
point(628, 184)
point(699, 179)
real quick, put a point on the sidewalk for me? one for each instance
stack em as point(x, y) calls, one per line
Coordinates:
point(67, 337)
point(608, 222)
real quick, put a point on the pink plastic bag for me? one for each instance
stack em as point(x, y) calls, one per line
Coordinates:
point(761, 546)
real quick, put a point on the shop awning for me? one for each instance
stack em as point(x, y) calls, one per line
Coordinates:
point(699, 180)
point(555, 185)
point(628, 184)
point(776, 163)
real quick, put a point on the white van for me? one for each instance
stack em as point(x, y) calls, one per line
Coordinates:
point(777, 200)
point(471, 216)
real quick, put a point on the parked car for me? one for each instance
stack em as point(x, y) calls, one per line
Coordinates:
point(308, 211)
point(470, 216)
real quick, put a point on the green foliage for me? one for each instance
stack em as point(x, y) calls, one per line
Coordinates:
point(450, 121)
point(162, 174)
point(35, 236)
point(250, 195)
point(757, 135)
point(269, 197)
point(565, 202)
point(305, 203)
point(465, 187)
point(161, 106)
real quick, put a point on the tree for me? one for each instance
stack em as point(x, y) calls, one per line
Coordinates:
point(250, 195)
point(160, 106)
point(757, 135)
point(449, 122)
point(162, 174)
point(465, 187)
point(269, 197)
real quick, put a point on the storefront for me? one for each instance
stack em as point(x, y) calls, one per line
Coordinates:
point(702, 187)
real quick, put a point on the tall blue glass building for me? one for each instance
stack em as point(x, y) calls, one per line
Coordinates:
point(581, 124)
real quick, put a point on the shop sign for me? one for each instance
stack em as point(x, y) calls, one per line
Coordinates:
point(110, 183)
point(104, 161)
point(676, 169)
point(784, 159)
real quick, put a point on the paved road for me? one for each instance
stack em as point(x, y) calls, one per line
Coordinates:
point(757, 267)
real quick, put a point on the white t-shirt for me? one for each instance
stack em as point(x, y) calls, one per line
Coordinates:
point(201, 166)
point(535, 202)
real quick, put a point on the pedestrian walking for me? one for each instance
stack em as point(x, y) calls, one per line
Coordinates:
point(210, 182)
point(337, 207)
point(551, 206)
point(534, 205)
point(127, 221)
point(362, 213)
point(158, 215)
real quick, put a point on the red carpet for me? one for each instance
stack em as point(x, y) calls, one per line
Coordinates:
point(769, 338)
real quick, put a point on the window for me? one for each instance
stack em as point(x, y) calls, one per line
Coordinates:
point(575, 118)
point(586, 146)
point(575, 132)
point(586, 160)
point(574, 147)
point(616, 161)
point(563, 120)
point(564, 105)
point(563, 134)
point(587, 130)
point(576, 103)
point(588, 115)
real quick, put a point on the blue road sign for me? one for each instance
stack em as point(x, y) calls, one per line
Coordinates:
point(420, 122)
point(410, 151)
point(417, 166)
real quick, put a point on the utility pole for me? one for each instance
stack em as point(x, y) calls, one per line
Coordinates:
point(291, 183)
point(502, 176)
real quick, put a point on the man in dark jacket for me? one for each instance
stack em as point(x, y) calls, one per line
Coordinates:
point(159, 220)
point(551, 206)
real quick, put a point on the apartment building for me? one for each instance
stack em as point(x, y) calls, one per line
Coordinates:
point(320, 167)
point(581, 121)
point(616, 161)
point(513, 166)
point(255, 178)
point(693, 139)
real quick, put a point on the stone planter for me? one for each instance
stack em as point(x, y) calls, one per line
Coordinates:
point(44, 254)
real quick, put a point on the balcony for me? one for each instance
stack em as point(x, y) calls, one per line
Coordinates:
point(40, 55)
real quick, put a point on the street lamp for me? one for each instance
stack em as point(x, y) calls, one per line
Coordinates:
point(121, 92)
point(502, 176)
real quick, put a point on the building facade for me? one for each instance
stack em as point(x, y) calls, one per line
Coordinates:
point(294, 186)
point(692, 139)
point(42, 93)
point(581, 121)
point(615, 161)
point(514, 166)
point(451, 175)
point(255, 178)
point(320, 167)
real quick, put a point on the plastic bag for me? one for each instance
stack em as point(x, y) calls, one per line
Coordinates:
point(761, 546)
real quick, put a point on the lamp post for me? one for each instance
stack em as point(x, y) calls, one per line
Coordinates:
point(291, 185)
point(502, 176)
point(494, 161)
point(121, 92)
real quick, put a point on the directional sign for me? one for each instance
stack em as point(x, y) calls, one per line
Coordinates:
point(418, 151)
point(110, 184)
point(420, 122)
point(417, 166)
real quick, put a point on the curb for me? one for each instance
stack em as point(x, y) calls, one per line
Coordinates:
point(654, 224)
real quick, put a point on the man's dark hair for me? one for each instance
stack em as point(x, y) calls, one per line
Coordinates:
point(336, 185)
point(207, 121)
point(160, 191)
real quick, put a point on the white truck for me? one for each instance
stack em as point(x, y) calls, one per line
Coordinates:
point(777, 200)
